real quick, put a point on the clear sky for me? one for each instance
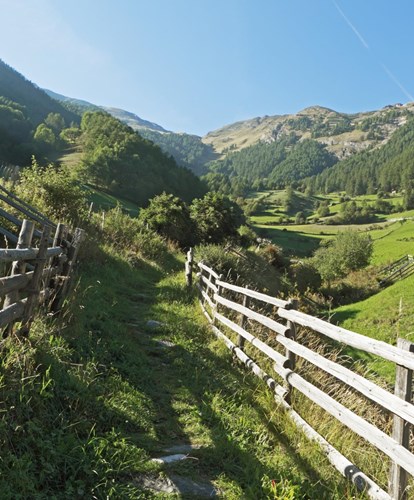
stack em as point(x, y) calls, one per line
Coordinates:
point(196, 65)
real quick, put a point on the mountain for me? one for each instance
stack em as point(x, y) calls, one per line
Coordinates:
point(343, 134)
point(34, 102)
point(273, 151)
point(132, 120)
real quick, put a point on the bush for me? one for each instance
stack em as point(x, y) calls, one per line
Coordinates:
point(217, 218)
point(348, 252)
point(242, 268)
point(129, 235)
point(305, 276)
point(247, 236)
point(169, 216)
point(54, 192)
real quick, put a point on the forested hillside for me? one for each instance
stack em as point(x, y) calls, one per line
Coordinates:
point(188, 150)
point(110, 155)
point(118, 159)
point(390, 167)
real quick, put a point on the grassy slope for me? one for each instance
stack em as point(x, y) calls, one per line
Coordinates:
point(384, 316)
point(91, 399)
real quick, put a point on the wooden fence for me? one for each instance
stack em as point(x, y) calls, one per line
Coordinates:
point(37, 271)
point(234, 317)
point(400, 269)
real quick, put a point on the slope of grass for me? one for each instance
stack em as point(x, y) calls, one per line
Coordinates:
point(91, 397)
point(106, 201)
point(384, 316)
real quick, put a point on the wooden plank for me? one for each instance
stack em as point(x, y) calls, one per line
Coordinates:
point(357, 424)
point(12, 313)
point(10, 236)
point(262, 346)
point(209, 283)
point(208, 270)
point(243, 321)
point(24, 203)
point(35, 283)
point(367, 344)
point(398, 479)
point(12, 283)
point(206, 297)
point(369, 389)
point(264, 320)
point(254, 367)
point(253, 294)
point(26, 212)
point(15, 254)
point(339, 461)
point(17, 222)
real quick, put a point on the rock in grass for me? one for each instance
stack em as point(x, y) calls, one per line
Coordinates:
point(170, 458)
point(152, 323)
point(178, 485)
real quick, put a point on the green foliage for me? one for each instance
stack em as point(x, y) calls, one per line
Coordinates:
point(348, 252)
point(169, 216)
point(188, 150)
point(386, 168)
point(217, 218)
point(128, 235)
point(36, 103)
point(120, 160)
point(306, 158)
point(53, 191)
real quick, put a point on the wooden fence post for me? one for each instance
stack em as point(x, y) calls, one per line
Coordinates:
point(50, 281)
point(218, 293)
point(292, 304)
point(35, 284)
point(243, 321)
point(19, 267)
point(398, 477)
point(189, 268)
point(68, 267)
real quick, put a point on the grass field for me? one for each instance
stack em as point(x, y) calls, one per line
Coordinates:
point(384, 316)
point(106, 201)
point(393, 239)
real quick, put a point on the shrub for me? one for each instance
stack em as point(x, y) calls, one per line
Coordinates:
point(169, 216)
point(217, 218)
point(54, 191)
point(305, 276)
point(348, 252)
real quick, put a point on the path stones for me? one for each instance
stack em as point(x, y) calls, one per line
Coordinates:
point(152, 323)
point(179, 485)
point(170, 458)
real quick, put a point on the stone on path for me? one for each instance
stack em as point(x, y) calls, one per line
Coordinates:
point(170, 458)
point(152, 323)
point(165, 343)
point(177, 484)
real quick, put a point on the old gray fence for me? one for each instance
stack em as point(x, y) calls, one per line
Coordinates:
point(232, 317)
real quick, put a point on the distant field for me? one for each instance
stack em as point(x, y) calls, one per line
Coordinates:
point(393, 239)
point(105, 201)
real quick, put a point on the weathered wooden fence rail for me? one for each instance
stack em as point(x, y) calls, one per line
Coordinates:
point(229, 308)
point(38, 270)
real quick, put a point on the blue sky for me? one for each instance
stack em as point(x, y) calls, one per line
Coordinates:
point(196, 65)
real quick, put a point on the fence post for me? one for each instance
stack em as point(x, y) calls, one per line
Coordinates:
point(243, 321)
point(189, 268)
point(51, 281)
point(398, 477)
point(19, 267)
point(35, 284)
point(218, 293)
point(291, 334)
point(68, 267)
